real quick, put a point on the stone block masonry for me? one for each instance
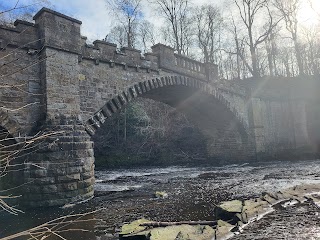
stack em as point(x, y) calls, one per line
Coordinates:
point(56, 82)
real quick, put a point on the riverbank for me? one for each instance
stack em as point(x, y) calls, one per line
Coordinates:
point(128, 194)
point(234, 218)
point(194, 192)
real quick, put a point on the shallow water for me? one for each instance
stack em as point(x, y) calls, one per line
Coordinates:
point(127, 194)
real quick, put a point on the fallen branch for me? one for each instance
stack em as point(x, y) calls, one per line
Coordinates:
point(165, 224)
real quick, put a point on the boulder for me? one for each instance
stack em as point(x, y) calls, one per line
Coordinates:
point(197, 233)
point(253, 208)
point(229, 211)
point(268, 197)
point(223, 230)
point(159, 194)
point(177, 232)
point(182, 232)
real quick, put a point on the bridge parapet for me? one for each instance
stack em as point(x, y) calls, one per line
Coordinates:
point(106, 52)
point(189, 65)
point(23, 35)
point(58, 31)
point(172, 62)
point(61, 32)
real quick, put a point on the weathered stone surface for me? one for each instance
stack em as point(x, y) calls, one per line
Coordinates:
point(197, 233)
point(70, 186)
point(86, 183)
point(50, 188)
point(182, 232)
point(134, 227)
point(269, 198)
point(178, 232)
point(229, 210)
point(223, 230)
point(68, 178)
point(234, 206)
point(254, 208)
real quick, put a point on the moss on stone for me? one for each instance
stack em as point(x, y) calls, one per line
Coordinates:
point(133, 227)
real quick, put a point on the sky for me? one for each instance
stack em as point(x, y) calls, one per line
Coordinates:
point(97, 19)
point(94, 14)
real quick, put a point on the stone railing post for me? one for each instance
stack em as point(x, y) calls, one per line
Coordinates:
point(167, 59)
point(62, 171)
point(211, 72)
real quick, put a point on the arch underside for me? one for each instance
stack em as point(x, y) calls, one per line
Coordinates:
point(227, 136)
point(227, 139)
point(148, 88)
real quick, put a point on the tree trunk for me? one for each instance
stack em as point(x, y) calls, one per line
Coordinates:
point(298, 55)
point(255, 68)
point(125, 125)
point(130, 45)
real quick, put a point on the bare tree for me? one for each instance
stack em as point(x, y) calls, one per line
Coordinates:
point(176, 13)
point(18, 9)
point(311, 36)
point(146, 35)
point(288, 10)
point(208, 24)
point(129, 13)
point(236, 48)
point(249, 11)
point(311, 3)
point(118, 36)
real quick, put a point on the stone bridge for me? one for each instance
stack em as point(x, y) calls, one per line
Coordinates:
point(53, 83)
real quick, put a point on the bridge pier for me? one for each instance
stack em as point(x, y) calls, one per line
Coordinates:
point(62, 170)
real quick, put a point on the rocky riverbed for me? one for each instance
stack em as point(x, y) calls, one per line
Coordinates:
point(128, 194)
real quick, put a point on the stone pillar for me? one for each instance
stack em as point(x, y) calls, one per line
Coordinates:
point(167, 59)
point(62, 170)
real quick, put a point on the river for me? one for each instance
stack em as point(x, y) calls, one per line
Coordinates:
point(124, 195)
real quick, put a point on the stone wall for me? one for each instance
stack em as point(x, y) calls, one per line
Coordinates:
point(22, 99)
point(280, 119)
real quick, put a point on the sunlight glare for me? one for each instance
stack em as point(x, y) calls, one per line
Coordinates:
point(309, 14)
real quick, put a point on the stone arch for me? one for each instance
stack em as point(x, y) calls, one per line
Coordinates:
point(143, 88)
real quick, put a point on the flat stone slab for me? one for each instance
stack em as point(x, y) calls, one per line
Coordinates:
point(229, 210)
point(178, 232)
point(134, 227)
point(234, 206)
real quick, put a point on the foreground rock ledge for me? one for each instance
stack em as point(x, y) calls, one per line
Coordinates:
point(231, 217)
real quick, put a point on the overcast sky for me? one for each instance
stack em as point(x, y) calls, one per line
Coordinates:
point(97, 20)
